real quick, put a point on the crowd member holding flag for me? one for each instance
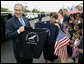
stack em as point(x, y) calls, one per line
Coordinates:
point(60, 48)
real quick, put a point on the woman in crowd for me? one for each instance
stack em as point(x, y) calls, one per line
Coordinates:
point(49, 50)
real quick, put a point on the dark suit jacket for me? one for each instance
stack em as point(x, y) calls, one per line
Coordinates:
point(12, 25)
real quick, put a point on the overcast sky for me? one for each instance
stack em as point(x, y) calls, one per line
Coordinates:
point(47, 6)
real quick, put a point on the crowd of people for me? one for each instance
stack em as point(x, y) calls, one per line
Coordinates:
point(74, 25)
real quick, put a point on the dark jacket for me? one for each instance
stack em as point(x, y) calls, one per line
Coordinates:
point(12, 25)
point(53, 32)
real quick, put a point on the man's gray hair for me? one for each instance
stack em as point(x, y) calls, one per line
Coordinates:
point(18, 4)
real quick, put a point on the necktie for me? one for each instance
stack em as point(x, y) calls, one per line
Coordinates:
point(22, 22)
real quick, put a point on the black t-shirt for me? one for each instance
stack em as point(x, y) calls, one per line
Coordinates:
point(33, 42)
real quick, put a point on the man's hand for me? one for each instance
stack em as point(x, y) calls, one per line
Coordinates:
point(21, 29)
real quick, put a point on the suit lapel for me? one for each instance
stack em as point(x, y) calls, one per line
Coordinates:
point(17, 22)
point(25, 21)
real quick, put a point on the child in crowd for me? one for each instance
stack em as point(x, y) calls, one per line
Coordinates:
point(74, 49)
point(71, 18)
point(76, 28)
point(81, 20)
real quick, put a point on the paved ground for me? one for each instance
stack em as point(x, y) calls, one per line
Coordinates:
point(7, 55)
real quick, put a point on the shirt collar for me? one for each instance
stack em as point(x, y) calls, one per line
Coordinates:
point(20, 18)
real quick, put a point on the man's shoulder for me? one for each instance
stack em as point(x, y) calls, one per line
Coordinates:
point(25, 17)
point(11, 19)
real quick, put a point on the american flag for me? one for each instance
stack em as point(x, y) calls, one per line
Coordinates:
point(60, 48)
point(65, 29)
point(75, 11)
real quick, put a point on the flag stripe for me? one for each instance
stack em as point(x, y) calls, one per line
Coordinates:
point(56, 43)
point(62, 44)
point(63, 39)
point(57, 48)
point(62, 53)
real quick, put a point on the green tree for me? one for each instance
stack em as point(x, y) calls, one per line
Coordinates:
point(42, 12)
point(35, 11)
point(4, 10)
point(26, 9)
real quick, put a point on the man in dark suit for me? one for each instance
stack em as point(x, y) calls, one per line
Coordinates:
point(14, 27)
